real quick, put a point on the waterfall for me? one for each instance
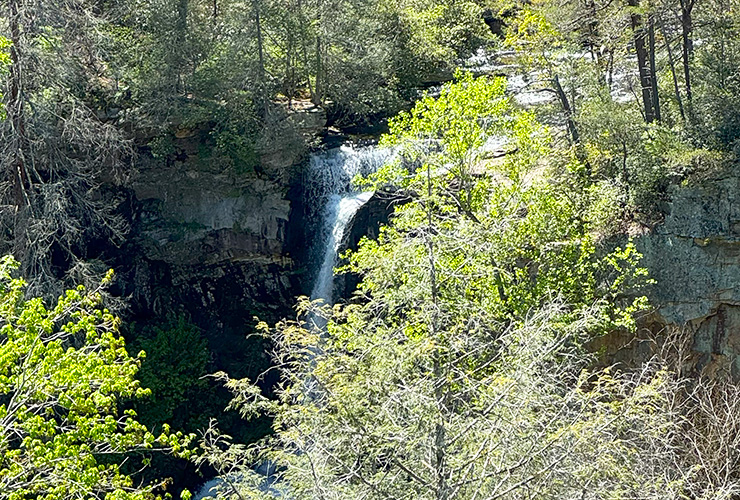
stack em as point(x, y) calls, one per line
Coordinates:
point(331, 203)
point(339, 211)
point(328, 184)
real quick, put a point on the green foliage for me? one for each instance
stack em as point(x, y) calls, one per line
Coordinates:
point(172, 372)
point(446, 134)
point(236, 131)
point(638, 160)
point(439, 31)
point(162, 146)
point(536, 39)
point(182, 58)
point(457, 371)
point(716, 111)
point(5, 45)
point(583, 53)
point(63, 372)
point(507, 222)
point(461, 119)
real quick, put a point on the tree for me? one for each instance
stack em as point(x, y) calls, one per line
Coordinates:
point(64, 374)
point(456, 373)
point(714, 83)
point(644, 42)
point(177, 355)
point(687, 52)
point(541, 47)
point(55, 145)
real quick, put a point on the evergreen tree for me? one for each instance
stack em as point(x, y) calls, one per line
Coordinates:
point(56, 140)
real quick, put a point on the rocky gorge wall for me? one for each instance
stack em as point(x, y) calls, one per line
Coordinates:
point(212, 242)
point(694, 258)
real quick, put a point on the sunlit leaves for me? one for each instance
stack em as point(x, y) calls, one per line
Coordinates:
point(456, 371)
point(64, 373)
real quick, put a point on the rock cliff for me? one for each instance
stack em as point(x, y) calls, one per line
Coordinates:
point(211, 241)
point(694, 257)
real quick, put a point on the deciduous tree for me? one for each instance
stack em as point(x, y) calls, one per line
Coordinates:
point(457, 373)
point(64, 375)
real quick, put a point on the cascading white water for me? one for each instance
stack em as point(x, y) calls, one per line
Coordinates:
point(339, 212)
point(331, 203)
point(329, 183)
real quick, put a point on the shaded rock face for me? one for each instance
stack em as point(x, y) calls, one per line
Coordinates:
point(366, 222)
point(694, 256)
point(191, 217)
point(717, 343)
point(212, 242)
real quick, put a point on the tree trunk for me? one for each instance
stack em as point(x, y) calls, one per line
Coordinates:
point(653, 71)
point(643, 63)
point(15, 107)
point(289, 78)
point(261, 85)
point(302, 28)
point(688, 46)
point(318, 97)
point(672, 63)
point(181, 36)
point(594, 43)
point(440, 395)
point(567, 109)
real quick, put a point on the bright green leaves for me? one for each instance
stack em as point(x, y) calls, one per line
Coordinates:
point(448, 132)
point(459, 117)
point(454, 372)
point(5, 62)
point(508, 235)
point(63, 373)
point(534, 38)
point(5, 45)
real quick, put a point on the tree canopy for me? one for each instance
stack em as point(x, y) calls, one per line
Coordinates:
point(458, 369)
point(65, 377)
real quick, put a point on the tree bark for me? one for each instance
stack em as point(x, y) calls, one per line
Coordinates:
point(288, 85)
point(643, 63)
point(440, 431)
point(672, 63)
point(303, 28)
point(15, 107)
point(565, 103)
point(687, 28)
point(318, 97)
point(181, 28)
point(653, 72)
point(261, 58)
